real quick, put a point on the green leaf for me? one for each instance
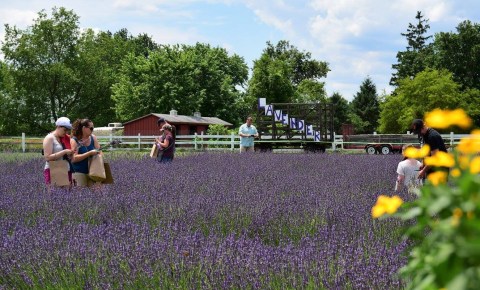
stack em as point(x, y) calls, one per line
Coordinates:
point(458, 283)
point(412, 213)
point(438, 205)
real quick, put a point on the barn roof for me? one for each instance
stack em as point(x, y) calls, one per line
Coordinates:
point(182, 119)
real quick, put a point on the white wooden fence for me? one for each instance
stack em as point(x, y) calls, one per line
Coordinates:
point(192, 142)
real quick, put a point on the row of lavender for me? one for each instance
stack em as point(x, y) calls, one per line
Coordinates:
point(212, 221)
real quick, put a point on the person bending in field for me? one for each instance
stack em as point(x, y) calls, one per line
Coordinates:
point(407, 171)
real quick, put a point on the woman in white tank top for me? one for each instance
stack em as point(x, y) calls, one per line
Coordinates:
point(53, 149)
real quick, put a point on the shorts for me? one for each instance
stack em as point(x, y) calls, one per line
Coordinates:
point(246, 149)
point(48, 179)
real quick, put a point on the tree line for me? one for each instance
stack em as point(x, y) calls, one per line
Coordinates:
point(53, 68)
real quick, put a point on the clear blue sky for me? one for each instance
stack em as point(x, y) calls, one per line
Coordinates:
point(358, 38)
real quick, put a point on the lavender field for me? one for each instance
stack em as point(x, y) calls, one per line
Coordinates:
point(206, 221)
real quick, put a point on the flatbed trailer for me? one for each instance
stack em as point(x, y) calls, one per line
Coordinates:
point(379, 143)
point(307, 126)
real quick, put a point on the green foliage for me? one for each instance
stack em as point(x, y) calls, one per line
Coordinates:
point(185, 78)
point(342, 110)
point(460, 53)
point(429, 89)
point(446, 233)
point(418, 55)
point(283, 74)
point(217, 129)
point(310, 91)
point(365, 108)
point(57, 70)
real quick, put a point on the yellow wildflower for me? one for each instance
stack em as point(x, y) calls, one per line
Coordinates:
point(475, 165)
point(455, 172)
point(445, 118)
point(412, 152)
point(385, 205)
point(440, 159)
point(437, 177)
point(464, 162)
point(457, 214)
point(470, 215)
point(470, 144)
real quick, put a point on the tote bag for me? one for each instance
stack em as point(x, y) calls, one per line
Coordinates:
point(108, 173)
point(96, 168)
point(59, 172)
point(154, 151)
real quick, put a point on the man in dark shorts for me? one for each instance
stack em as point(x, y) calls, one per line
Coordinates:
point(431, 137)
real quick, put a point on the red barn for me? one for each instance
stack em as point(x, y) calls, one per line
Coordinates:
point(185, 125)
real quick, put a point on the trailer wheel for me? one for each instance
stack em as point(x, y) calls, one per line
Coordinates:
point(385, 150)
point(371, 150)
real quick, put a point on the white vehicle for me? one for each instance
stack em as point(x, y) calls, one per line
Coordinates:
point(111, 129)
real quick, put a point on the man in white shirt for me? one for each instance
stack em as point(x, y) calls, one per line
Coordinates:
point(247, 133)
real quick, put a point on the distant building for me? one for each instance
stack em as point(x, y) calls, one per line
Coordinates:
point(185, 125)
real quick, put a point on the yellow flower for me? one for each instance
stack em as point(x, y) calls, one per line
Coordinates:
point(412, 152)
point(470, 144)
point(464, 162)
point(470, 215)
point(386, 204)
point(475, 165)
point(437, 177)
point(455, 172)
point(445, 118)
point(440, 159)
point(457, 214)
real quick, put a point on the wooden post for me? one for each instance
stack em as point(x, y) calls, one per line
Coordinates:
point(139, 142)
point(232, 147)
point(195, 141)
point(24, 145)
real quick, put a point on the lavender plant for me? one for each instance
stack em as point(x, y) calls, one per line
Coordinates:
point(206, 221)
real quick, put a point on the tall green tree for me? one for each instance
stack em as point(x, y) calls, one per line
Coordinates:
point(429, 90)
point(419, 53)
point(42, 60)
point(181, 77)
point(342, 109)
point(365, 106)
point(310, 91)
point(281, 70)
point(460, 53)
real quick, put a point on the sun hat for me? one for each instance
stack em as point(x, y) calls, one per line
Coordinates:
point(63, 122)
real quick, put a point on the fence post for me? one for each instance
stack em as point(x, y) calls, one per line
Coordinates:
point(24, 145)
point(232, 147)
point(202, 139)
point(451, 139)
point(195, 141)
point(139, 140)
point(111, 140)
point(334, 144)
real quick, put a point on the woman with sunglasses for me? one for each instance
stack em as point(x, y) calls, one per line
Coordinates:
point(84, 145)
point(55, 151)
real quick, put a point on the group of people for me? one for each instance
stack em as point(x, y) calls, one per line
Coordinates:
point(74, 150)
point(412, 172)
